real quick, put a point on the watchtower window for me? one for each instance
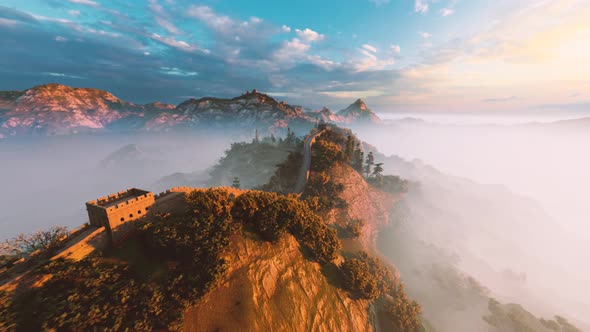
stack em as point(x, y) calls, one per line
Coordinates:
point(122, 219)
point(147, 208)
point(130, 216)
point(138, 211)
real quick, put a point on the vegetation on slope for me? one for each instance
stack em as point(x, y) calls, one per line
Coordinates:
point(185, 258)
point(174, 260)
point(254, 163)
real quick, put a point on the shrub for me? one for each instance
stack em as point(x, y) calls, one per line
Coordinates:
point(273, 215)
point(216, 203)
point(354, 228)
point(326, 154)
point(248, 204)
point(402, 311)
point(366, 277)
point(24, 244)
point(323, 194)
point(389, 183)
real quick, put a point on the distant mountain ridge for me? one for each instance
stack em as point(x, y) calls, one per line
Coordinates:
point(55, 109)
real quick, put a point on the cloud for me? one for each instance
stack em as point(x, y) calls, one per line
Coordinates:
point(255, 20)
point(173, 71)
point(13, 15)
point(292, 49)
point(177, 44)
point(424, 35)
point(85, 2)
point(369, 61)
point(73, 12)
point(421, 6)
point(220, 23)
point(370, 48)
point(61, 39)
point(447, 12)
point(285, 28)
point(7, 22)
point(161, 17)
point(309, 35)
point(63, 75)
point(395, 49)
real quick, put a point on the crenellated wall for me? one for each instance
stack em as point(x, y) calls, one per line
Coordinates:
point(116, 211)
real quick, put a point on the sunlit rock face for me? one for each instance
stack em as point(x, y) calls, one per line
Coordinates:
point(358, 112)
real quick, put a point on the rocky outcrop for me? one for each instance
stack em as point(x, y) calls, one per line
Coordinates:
point(364, 202)
point(55, 109)
point(325, 115)
point(273, 287)
point(358, 112)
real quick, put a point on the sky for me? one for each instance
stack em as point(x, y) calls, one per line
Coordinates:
point(398, 55)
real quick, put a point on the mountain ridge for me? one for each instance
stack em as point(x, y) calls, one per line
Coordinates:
point(55, 110)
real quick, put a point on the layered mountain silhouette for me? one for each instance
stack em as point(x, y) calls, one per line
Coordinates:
point(54, 109)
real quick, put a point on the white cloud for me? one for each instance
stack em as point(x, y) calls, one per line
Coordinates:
point(61, 39)
point(161, 17)
point(290, 50)
point(178, 44)
point(173, 71)
point(7, 22)
point(309, 35)
point(53, 19)
point(395, 49)
point(421, 6)
point(286, 28)
point(85, 2)
point(370, 48)
point(171, 28)
point(447, 12)
point(62, 75)
point(424, 35)
point(74, 12)
point(255, 20)
point(218, 22)
point(369, 60)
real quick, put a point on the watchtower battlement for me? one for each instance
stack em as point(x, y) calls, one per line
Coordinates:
point(115, 210)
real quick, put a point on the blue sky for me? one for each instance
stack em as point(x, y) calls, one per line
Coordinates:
point(399, 55)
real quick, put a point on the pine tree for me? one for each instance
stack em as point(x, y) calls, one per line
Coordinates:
point(378, 170)
point(369, 162)
point(236, 183)
point(358, 158)
point(349, 147)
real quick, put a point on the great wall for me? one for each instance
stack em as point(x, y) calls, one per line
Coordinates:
point(112, 218)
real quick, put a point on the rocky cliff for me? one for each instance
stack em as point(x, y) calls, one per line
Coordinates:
point(272, 287)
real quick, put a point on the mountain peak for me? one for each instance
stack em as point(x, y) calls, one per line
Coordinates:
point(360, 104)
point(359, 112)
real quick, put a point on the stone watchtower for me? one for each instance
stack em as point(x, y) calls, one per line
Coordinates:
point(114, 212)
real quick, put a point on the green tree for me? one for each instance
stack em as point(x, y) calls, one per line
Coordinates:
point(236, 182)
point(349, 151)
point(378, 170)
point(358, 158)
point(369, 163)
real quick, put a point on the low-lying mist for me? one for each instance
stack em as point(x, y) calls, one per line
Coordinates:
point(510, 203)
point(46, 182)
